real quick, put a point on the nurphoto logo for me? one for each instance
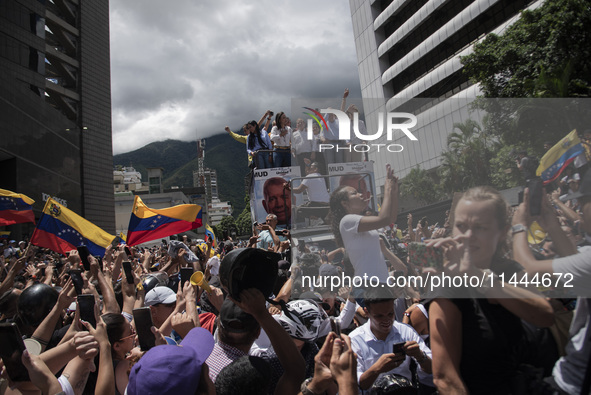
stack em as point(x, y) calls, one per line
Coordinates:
point(392, 121)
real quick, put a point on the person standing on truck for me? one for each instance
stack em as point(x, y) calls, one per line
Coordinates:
point(359, 233)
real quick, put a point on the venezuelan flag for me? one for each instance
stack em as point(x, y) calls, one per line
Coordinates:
point(148, 224)
point(4, 234)
point(209, 233)
point(559, 157)
point(15, 208)
point(62, 230)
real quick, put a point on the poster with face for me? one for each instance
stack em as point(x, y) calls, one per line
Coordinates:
point(270, 196)
point(358, 175)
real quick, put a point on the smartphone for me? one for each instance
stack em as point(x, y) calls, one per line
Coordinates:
point(86, 305)
point(128, 272)
point(397, 348)
point(11, 352)
point(128, 251)
point(186, 273)
point(143, 325)
point(335, 326)
point(536, 194)
point(84, 253)
point(425, 257)
point(100, 261)
point(76, 276)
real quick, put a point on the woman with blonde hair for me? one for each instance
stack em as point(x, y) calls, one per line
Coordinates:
point(476, 332)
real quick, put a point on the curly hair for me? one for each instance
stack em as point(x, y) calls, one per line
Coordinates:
point(337, 211)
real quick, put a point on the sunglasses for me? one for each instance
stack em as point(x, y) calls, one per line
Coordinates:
point(128, 337)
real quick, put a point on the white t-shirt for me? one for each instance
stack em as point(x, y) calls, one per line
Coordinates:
point(363, 249)
point(316, 188)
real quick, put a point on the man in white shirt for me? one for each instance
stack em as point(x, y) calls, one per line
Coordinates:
point(375, 341)
point(318, 198)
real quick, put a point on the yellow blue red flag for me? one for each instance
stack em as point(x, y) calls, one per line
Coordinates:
point(62, 230)
point(210, 234)
point(559, 157)
point(146, 224)
point(15, 208)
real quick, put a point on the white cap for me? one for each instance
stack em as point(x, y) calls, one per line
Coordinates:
point(159, 295)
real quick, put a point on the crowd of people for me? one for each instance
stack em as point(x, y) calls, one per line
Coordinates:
point(264, 315)
point(255, 326)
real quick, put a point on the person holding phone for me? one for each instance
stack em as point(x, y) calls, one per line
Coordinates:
point(475, 338)
point(358, 233)
point(385, 346)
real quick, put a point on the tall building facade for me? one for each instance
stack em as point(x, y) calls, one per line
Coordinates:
point(408, 54)
point(55, 105)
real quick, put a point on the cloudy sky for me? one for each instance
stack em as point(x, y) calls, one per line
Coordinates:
point(184, 69)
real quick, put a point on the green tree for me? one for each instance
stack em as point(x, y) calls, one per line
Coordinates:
point(227, 224)
point(504, 171)
point(544, 54)
point(421, 186)
point(544, 42)
point(244, 220)
point(465, 164)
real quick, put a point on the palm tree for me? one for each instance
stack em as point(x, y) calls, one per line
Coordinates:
point(466, 162)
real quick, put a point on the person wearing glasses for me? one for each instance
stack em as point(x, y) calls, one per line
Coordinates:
point(122, 338)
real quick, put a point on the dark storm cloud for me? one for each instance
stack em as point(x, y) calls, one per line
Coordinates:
point(184, 69)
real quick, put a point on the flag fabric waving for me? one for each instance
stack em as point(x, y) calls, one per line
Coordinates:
point(15, 208)
point(559, 157)
point(209, 233)
point(146, 224)
point(62, 230)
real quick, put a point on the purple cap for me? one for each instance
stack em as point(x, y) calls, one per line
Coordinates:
point(172, 369)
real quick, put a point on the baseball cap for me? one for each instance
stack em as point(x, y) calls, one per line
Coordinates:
point(170, 369)
point(328, 270)
point(159, 295)
point(234, 319)
point(584, 188)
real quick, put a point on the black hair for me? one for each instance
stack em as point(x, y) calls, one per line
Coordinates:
point(257, 134)
point(278, 119)
point(247, 375)
point(116, 324)
point(282, 277)
point(377, 295)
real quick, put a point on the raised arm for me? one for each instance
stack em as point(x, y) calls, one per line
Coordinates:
point(45, 330)
point(252, 302)
point(235, 136)
point(344, 101)
point(387, 215)
point(110, 304)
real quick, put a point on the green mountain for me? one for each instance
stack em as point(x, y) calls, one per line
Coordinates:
point(179, 159)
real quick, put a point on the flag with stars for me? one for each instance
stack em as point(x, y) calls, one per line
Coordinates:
point(146, 224)
point(62, 230)
point(15, 208)
point(559, 157)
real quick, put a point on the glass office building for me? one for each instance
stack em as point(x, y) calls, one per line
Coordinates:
point(55, 105)
point(408, 53)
